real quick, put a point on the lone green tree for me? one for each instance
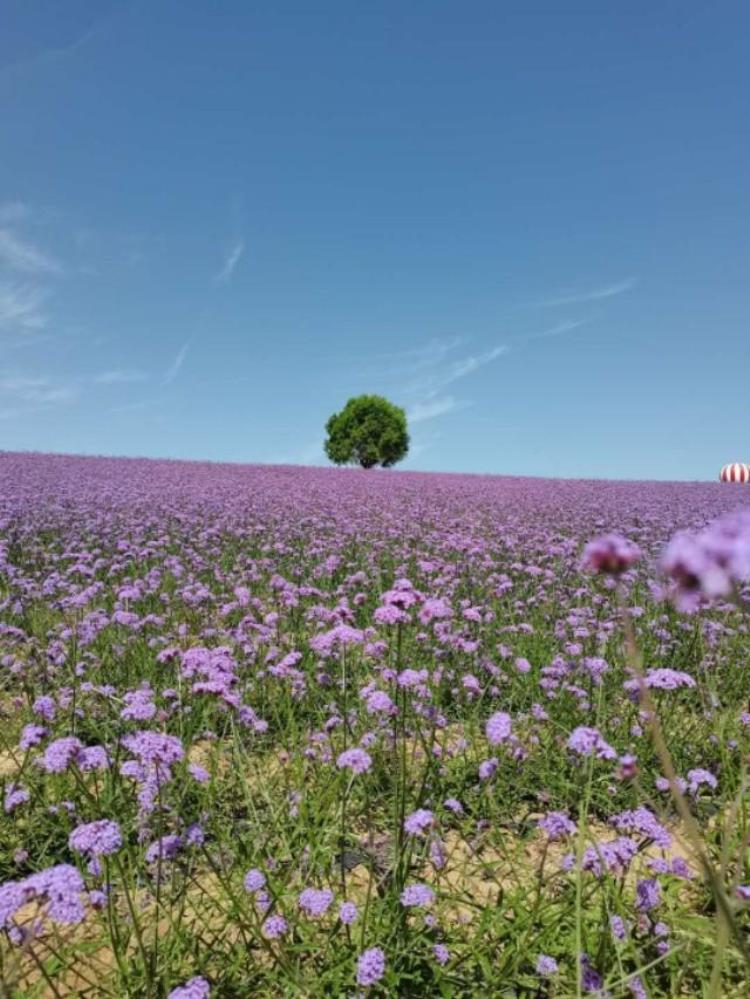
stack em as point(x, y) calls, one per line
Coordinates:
point(368, 431)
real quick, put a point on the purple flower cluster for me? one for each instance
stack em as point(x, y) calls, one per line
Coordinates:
point(417, 896)
point(14, 796)
point(557, 825)
point(254, 880)
point(648, 894)
point(61, 887)
point(711, 563)
point(588, 741)
point(641, 821)
point(370, 967)
point(498, 728)
point(97, 839)
point(275, 927)
point(610, 553)
point(196, 988)
point(356, 760)
point(546, 966)
point(419, 822)
point(668, 679)
point(315, 902)
point(613, 857)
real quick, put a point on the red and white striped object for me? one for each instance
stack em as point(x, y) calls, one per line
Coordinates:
point(736, 472)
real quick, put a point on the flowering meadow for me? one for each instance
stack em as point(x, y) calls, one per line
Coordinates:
point(269, 731)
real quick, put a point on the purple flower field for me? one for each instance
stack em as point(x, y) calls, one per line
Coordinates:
point(276, 731)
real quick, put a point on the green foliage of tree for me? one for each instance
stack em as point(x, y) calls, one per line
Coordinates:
point(368, 431)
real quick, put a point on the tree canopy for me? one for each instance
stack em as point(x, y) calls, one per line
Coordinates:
point(368, 431)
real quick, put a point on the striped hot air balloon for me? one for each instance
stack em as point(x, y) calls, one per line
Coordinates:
point(736, 472)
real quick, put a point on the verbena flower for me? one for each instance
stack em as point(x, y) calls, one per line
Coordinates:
point(433, 609)
point(546, 966)
point(98, 839)
point(15, 796)
point(642, 821)
point(711, 563)
point(441, 954)
point(356, 760)
point(418, 822)
point(60, 886)
point(154, 747)
point(628, 767)
point(613, 857)
point(196, 988)
point(45, 707)
point(337, 638)
point(92, 758)
point(610, 553)
point(663, 784)
point(378, 702)
point(315, 902)
point(275, 926)
point(648, 894)
point(60, 754)
point(31, 735)
point(557, 825)
point(139, 705)
point(588, 741)
point(488, 768)
point(370, 967)
point(417, 896)
point(618, 928)
point(254, 880)
point(199, 773)
point(668, 679)
point(438, 857)
point(165, 848)
point(498, 728)
point(591, 980)
point(699, 777)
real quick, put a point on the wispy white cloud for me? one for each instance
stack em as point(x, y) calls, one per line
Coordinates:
point(593, 295)
point(174, 368)
point(23, 268)
point(231, 260)
point(424, 356)
point(558, 330)
point(425, 371)
point(37, 390)
point(51, 53)
point(468, 365)
point(426, 380)
point(21, 306)
point(420, 412)
point(119, 376)
point(20, 255)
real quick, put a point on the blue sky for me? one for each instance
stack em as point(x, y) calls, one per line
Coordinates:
point(525, 222)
